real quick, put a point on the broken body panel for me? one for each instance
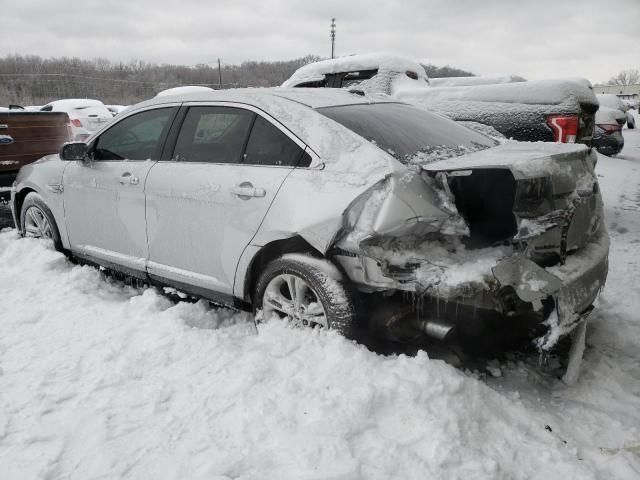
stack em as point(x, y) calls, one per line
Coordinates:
point(515, 230)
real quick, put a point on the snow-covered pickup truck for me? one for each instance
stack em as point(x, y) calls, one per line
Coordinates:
point(24, 138)
point(544, 110)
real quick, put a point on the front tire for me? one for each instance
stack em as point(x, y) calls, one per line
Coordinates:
point(308, 292)
point(37, 221)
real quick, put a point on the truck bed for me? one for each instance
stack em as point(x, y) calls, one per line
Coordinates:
point(25, 137)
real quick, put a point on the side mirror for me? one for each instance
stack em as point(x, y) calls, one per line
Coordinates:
point(74, 151)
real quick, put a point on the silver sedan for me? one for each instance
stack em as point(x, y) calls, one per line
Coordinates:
point(332, 210)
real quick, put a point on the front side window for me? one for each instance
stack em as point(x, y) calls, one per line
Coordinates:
point(134, 138)
point(269, 146)
point(213, 135)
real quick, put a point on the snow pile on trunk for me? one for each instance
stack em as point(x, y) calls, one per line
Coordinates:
point(100, 379)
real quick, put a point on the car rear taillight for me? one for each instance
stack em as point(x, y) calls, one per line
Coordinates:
point(565, 128)
point(610, 128)
point(76, 122)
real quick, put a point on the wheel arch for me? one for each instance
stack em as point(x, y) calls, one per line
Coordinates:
point(266, 254)
point(19, 201)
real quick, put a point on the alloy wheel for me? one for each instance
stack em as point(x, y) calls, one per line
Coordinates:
point(289, 296)
point(36, 224)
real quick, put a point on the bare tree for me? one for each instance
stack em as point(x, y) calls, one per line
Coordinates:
point(625, 77)
point(32, 80)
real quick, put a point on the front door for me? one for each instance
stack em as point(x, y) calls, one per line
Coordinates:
point(206, 204)
point(104, 195)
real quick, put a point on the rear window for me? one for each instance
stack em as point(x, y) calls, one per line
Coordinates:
point(410, 134)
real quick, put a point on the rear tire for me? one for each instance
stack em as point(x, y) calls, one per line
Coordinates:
point(37, 221)
point(321, 295)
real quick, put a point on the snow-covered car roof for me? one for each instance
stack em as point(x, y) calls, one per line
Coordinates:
point(74, 104)
point(183, 89)
point(384, 63)
point(610, 100)
point(309, 97)
point(610, 116)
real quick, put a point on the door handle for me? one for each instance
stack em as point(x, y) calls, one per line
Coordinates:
point(246, 190)
point(126, 177)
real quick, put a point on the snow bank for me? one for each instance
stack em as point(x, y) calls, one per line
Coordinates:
point(103, 380)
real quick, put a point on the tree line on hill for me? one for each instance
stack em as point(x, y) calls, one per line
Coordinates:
point(33, 80)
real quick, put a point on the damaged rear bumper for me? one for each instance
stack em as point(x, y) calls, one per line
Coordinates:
point(573, 286)
point(559, 297)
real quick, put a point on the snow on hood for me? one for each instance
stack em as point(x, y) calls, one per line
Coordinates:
point(383, 62)
point(527, 93)
point(525, 160)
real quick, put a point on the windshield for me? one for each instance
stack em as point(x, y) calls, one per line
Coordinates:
point(410, 134)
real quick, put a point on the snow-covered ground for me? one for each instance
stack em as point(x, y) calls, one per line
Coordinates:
point(101, 380)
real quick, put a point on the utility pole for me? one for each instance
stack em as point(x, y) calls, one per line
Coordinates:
point(333, 38)
point(219, 75)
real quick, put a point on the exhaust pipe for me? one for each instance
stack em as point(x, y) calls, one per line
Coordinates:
point(436, 328)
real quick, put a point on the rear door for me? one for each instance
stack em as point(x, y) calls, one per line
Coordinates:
point(205, 204)
point(104, 197)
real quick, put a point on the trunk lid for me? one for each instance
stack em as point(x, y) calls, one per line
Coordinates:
point(542, 196)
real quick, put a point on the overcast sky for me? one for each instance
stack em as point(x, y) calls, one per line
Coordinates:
point(533, 38)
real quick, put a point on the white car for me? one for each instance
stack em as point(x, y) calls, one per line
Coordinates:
point(85, 115)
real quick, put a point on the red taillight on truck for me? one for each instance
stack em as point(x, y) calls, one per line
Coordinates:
point(565, 127)
point(76, 122)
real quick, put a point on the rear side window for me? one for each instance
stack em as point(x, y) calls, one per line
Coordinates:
point(213, 135)
point(410, 134)
point(135, 138)
point(269, 146)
